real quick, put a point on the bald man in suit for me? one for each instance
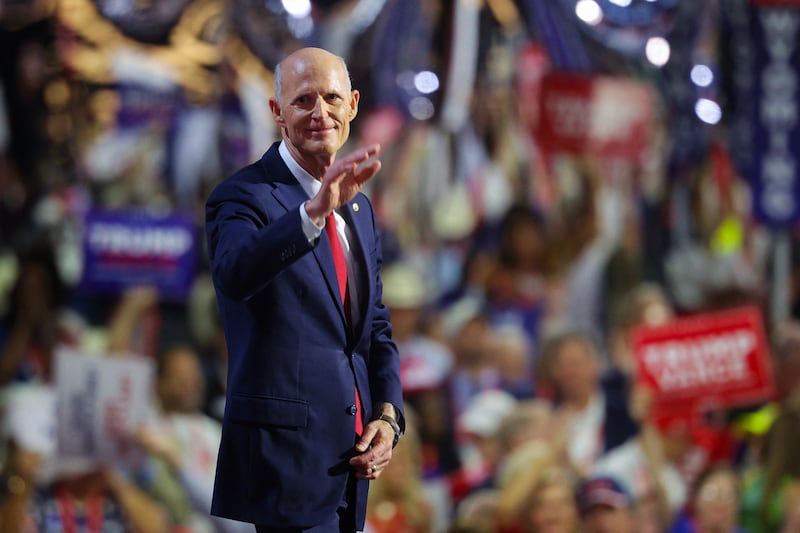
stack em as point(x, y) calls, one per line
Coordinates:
point(314, 402)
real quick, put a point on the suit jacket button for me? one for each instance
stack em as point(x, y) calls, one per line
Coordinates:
point(352, 410)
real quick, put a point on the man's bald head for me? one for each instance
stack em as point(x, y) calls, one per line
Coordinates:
point(300, 58)
point(313, 106)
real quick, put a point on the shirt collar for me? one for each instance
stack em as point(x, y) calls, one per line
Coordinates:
point(310, 184)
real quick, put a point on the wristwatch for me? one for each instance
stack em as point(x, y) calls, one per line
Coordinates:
point(392, 421)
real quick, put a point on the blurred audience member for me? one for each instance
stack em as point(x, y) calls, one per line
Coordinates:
point(424, 360)
point(515, 288)
point(791, 520)
point(18, 484)
point(426, 391)
point(605, 506)
point(186, 438)
point(481, 450)
point(397, 501)
point(44, 492)
point(517, 279)
point(786, 357)
point(713, 505)
point(473, 370)
point(646, 465)
point(596, 410)
point(426, 366)
point(646, 304)
point(511, 354)
point(99, 500)
point(35, 324)
point(536, 491)
point(551, 504)
point(529, 421)
point(209, 337)
point(134, 324)
point(769, 488)
point(477, 513)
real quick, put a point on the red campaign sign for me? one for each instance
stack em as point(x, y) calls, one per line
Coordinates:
point(707, 361)
point(604, 115)
point(565, 107)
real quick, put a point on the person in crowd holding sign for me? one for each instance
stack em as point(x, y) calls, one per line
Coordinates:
point(314, 402)
point(42, 491)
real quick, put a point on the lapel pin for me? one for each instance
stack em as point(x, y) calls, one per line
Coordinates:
point(355, 206)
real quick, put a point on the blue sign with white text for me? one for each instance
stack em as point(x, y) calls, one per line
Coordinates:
point(775, 169)
point(129, 249)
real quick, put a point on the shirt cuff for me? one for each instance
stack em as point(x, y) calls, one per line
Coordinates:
point(311, 230)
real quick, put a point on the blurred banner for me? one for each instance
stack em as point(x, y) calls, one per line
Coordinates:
point(604, 116)
point(127, 249)
point(704, 362)
point(101, 401)
point(775, 123)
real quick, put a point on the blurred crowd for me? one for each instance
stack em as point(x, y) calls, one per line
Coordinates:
point(520, 417)
point(514, 282)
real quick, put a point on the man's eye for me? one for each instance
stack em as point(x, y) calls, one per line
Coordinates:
point(302, 100)
point(332, 97)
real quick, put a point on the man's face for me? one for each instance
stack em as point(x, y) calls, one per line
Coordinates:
point(316, 106)
point(575, 372)
point(181, 387)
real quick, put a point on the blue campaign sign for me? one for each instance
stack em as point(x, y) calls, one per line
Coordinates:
point(775, 164)
point(123, 249)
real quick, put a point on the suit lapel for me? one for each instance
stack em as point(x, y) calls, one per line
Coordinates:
point(288, 192)
point(354, 214)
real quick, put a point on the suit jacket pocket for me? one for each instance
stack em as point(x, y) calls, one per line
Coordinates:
point(268, 410)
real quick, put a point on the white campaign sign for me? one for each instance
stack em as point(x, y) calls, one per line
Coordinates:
point(100, 403)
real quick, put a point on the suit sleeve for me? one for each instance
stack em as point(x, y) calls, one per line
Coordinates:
point(246, 247)
point(384, 362)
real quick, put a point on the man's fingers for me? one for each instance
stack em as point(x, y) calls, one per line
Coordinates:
point(345, 178)
point(351, 162)
point(366, 172)
point(363, 154)
point(348, 175)
point(354, 159)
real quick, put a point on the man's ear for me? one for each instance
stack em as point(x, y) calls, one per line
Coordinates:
point(276, 111)
point(354, 96)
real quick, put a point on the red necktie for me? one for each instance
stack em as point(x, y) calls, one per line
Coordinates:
point(341, 276)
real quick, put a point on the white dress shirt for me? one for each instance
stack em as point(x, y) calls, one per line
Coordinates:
point(311, 186)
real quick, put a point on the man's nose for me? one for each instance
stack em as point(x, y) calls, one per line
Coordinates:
point(319, 110)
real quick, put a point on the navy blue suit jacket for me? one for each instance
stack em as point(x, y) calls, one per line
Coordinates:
point(288, 429)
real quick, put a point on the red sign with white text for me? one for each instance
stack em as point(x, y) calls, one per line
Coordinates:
point(702, 362)
point(602, 115)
